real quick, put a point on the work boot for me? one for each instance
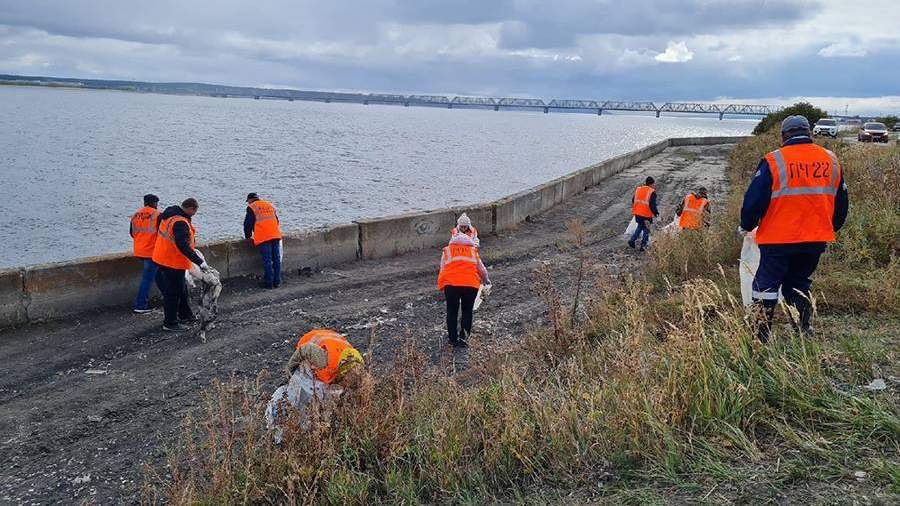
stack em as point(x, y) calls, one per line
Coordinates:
point(263, 284)
point(189, 320)
point(642, 248)
point(631, 244)
point(175, 327)
point(764, 324)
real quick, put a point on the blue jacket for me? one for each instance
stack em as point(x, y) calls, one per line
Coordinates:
point(759, 193)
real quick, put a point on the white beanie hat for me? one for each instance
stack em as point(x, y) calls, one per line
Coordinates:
point(463, 221)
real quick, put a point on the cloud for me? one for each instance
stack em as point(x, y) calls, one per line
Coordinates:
point(843, 49)
point(676, 52)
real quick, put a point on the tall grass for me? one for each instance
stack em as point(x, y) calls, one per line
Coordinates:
point(659, 385)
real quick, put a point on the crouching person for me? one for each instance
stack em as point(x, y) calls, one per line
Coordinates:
point(324, 365)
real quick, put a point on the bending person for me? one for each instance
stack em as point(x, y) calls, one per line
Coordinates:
point(462, 274)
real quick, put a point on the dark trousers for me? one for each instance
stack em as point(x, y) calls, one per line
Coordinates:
point(643, 227)
point(271, 257)
point(459, 296)
point(175, 296)
point(789, 268)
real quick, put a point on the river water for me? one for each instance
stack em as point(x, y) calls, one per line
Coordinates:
point(75, 163)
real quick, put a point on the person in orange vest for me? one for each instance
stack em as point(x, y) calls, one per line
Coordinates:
point(643, 208)
point(798, 200)
point(143, 236)
point(462, 274)
point(174, 253)
point(693, 210)
point(464, 226)
point(330, 356)
point(262, 228)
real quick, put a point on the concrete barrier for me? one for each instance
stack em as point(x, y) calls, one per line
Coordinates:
point(48, 291)
point(12, 297)
point(60, 289)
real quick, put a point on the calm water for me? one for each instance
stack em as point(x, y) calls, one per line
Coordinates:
point(75, 163)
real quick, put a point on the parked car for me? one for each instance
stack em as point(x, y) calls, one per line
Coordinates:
point(897, 126)
point(826, 126)
point(873, 132)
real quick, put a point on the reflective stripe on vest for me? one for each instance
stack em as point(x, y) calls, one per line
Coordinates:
point(641, 205)
point(165, 251)
point(265, 226)
point(143, 231)
point(805, 179)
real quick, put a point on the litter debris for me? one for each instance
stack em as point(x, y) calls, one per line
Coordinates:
point(95, 418)
point(96, 371)
point(860, 475)
point(876, 385)
point(81, 480)
point(210, 289)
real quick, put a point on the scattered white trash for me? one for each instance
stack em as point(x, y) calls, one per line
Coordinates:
point(876, 385)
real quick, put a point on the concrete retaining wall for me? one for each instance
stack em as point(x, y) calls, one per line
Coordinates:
point(49, 291)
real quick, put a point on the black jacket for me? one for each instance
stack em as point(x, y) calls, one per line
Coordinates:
point(181, 232)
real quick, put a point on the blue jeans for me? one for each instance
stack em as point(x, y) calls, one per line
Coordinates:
point(642, 226)
point(151, 273)
point(271, 257)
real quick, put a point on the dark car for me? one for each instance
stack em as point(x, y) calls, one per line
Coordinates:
point(873, 132)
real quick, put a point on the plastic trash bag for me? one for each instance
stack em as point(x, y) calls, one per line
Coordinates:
point(298, 394)
point(210, 283)
point(483, 292)
point(672, 228)
point(749, 263)
point(632, 226)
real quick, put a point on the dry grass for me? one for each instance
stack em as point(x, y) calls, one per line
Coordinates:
point(658, 393)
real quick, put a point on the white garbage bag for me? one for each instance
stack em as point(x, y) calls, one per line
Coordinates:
point(672, 228)
point(483, 292)
point(632, 226)
point(747, 266)
point(298, 394)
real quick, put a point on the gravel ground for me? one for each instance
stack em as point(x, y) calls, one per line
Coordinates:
point(86, 400)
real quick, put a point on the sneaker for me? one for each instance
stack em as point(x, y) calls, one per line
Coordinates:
point(263, 284)
point(143, 310)
point(175, 327)
point(630, 244)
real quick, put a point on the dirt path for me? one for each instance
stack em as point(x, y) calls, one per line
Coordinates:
point(67, 434)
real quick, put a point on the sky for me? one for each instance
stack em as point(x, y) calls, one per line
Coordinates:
point(836, 54)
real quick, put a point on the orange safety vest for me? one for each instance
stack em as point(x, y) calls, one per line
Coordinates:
point(805, 179)
point(692, 213)
point(459, 266)
point(143, 231)
point(334, 345)
point(166, 252)
point(266, 227)
point(641, 205)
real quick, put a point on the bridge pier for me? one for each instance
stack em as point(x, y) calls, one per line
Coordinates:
point(599, 112)
point(405, 104)
point(721, 115)
point(496, 107)
point(449, 106)
point(365, 102)
point(657, 113)
point(546, 110)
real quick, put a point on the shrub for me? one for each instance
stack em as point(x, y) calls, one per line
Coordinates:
point(811, 112)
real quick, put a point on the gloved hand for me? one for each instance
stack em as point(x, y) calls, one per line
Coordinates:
point(486, 290)
point(741, 231)
point(205, 267)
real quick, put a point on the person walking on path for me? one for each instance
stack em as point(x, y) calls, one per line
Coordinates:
point(143, 235)
point(643, 207)
point(174, 253)
point(693, 211)
point(462, 274)
point(262, 227)
point(798, 200)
